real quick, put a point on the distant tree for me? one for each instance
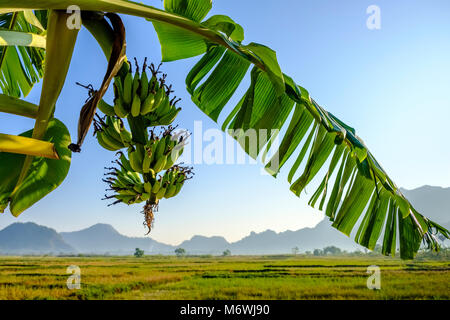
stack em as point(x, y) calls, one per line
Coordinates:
point(226, 253)
point(180, 252)
point(295, 251)
point(138, 253)
point(308, 253)
point(318, 252)
point(332, 250)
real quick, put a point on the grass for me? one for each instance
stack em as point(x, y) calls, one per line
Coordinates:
point(271, 277)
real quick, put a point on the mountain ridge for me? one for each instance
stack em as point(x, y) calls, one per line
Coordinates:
point(100, 238)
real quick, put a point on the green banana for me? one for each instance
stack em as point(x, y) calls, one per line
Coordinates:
point(141, 152)
point(125, 163)
point(147, 160)
point(136, 106)
point(127, 89)
point(152, 152)
point(160, 164)
point(119, 108)
point(111, 141)
point(106, 108)
point(153, 86)
point(134, 176)
point(139, 188)
point(178, 187)
point(169, 117)
point(135, 162)
point(126, 199)
point(118, 184)
point(164, 107)
point(148, 187)
point(145, 196)
point(160, 94)
point(172, 157)
point(156, 186)
point(136, 83)
point(125, 136)
point(162, 191)
point(170, 191)
point(118, 86)
point(104, 143)
point(148, 103)
point(144, 85)
point(113, 128)
point(125, 180)
point(160, 148)
point(126, 192)
point(165, 178)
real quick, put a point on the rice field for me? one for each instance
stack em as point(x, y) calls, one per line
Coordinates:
point(229, 278)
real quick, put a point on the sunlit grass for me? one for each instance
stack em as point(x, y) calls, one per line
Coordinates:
point(281, 277)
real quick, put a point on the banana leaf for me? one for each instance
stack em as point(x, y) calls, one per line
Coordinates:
point(358, 196)
point(44, 176)
point(21, 51)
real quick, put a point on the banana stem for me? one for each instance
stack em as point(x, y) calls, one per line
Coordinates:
point(17, 106)
point(133, 9)
point(28, 146)
point(59, 49)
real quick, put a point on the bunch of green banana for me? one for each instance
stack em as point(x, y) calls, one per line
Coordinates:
point(139, 96)
point(126, 183)
point(169, 184)
point(144, 103)
point(157, 155)
point(112, 134)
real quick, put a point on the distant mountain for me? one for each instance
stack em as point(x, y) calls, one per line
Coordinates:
point(205, 245)
point(30, 238)
point(103, 238)
point(306, 239)
point(432, 202)
point(25, 238)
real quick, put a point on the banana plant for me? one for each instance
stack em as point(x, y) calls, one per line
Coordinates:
point(356, 193)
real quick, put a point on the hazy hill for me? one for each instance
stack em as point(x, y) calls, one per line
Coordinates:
point(26, 238)
point(30, 238)
point(205, 245)
point(306, 239)
point(433, 202)
point(103, 238)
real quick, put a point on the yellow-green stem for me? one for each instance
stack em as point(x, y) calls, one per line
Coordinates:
point(130, 8)
point(28, 146)
point(60, 44)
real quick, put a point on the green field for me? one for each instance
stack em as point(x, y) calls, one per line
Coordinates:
point(271, 277)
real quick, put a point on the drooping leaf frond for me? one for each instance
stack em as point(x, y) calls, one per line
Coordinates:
point(355, 187)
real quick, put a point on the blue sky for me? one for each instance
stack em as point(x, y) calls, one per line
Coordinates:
point(390, 84)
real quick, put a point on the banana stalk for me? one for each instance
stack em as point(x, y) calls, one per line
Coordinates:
point(130, 8)
point(28, 146)
point(59, 49)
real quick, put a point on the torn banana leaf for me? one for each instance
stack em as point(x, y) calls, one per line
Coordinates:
point(44, 175)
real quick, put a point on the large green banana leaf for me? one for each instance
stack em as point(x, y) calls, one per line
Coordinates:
point(44, 176)
point(356, 193)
